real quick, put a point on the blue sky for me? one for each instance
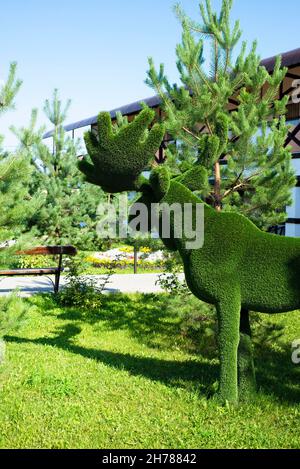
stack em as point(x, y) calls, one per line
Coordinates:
point(95, 52)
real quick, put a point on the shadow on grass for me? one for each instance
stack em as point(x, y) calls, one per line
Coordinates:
point(188, 374)
point(277, 374)
point(151, 320)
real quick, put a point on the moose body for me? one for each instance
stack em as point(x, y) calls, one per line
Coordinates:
point(238, 268)
point(237, 256)
point(244, 274)
point(277, 272)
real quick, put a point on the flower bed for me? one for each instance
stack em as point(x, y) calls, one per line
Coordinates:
point(122, 258)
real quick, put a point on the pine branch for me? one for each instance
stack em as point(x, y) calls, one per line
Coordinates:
point(189, 132)
point(234, 185)
point(242, 184)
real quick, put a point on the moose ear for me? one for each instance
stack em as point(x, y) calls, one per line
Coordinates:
point(160, 181)
point(195, 179)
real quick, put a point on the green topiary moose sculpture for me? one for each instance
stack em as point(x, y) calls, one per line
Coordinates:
point(252, 270)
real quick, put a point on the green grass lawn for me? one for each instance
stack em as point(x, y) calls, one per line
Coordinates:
point(127, 377)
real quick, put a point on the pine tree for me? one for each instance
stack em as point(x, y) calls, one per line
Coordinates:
point(228, 110)
point(68, 214)
point(15, 201)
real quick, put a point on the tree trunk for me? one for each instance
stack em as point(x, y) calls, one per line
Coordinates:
point(217, 189)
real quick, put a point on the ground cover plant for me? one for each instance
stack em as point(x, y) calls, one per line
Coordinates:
point(135, 374)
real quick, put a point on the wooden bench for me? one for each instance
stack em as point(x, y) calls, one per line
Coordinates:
point(44, 251)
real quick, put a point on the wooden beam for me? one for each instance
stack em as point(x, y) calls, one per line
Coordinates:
point(292, 75)
point(288, 91)
point(292, 136)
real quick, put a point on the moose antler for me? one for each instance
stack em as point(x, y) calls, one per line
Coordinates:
point(119, 156)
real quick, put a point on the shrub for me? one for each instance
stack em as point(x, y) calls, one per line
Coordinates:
point(12, 313)
point(33, 262)
point(169, 280)
point(265, 332)
point(198, 324)
point(12, 316)
point(79, 291)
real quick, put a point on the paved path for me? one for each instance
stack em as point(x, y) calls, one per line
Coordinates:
point(125, 283)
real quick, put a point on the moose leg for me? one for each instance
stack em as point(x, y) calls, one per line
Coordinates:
point(246, 370)
point(229, 324)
